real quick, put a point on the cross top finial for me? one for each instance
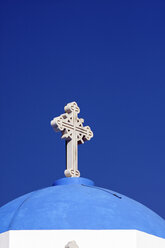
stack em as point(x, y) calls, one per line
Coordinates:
point(74, 133)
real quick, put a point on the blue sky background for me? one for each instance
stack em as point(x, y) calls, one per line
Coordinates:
point(109, 56)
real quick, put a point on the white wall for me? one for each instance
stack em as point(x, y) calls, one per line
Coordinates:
point(4, 240)
point(83, 238)
point(145, 240)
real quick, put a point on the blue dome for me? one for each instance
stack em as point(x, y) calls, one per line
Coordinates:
point(75, 203)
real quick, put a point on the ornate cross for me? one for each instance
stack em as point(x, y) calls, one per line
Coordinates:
point(74, 133)
point(71, 244)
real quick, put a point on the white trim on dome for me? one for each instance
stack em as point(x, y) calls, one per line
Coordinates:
point(84, 239)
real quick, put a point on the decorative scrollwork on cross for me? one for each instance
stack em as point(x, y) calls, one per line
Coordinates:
point(74, 133)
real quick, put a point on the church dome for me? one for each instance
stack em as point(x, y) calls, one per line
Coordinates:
point(75, 203)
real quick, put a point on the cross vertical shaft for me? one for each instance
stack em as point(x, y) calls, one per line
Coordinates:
point(72, 152)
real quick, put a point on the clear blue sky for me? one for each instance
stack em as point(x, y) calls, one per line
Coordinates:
point(109, 56)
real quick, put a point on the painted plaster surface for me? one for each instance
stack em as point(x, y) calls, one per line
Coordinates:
point(83, 239)
point(77, 206)
point(4, 240)
point(144, 240)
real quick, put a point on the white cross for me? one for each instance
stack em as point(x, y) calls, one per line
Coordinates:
point(71, 244)
point(74, 133)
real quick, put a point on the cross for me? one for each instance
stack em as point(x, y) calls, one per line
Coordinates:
point(74, 133)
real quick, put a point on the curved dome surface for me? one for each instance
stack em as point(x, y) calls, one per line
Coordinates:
point(77, 204)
